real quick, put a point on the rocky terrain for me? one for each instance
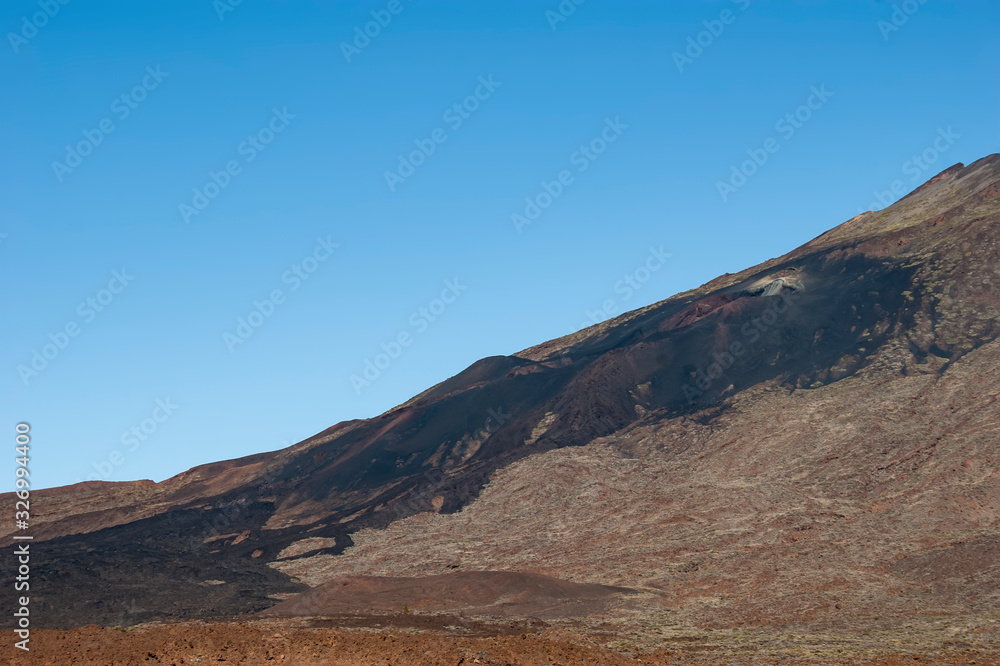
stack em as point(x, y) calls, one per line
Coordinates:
point(409, 641)
point(486, 593)
point(798, 461)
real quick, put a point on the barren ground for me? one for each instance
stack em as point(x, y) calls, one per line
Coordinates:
point(413, 639)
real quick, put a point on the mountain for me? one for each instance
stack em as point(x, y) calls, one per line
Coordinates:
point(810, 442)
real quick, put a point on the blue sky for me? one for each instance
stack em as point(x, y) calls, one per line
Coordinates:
point(618, 120)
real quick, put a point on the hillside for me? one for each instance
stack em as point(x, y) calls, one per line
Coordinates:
point(813, 442)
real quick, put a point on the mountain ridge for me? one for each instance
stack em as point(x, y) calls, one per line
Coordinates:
point(908, 291)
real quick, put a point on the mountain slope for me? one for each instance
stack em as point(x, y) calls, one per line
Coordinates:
point(834, 405)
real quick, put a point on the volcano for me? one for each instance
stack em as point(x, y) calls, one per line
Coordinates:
point(811, 444)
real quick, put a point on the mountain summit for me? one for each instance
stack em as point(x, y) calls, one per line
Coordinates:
point(813, 440)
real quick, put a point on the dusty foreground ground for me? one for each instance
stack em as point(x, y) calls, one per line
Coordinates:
point(449, 640)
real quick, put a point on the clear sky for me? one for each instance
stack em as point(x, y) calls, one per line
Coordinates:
point(171, 168)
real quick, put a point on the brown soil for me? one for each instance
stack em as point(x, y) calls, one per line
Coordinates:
point(504, 593)
point(288, 642)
